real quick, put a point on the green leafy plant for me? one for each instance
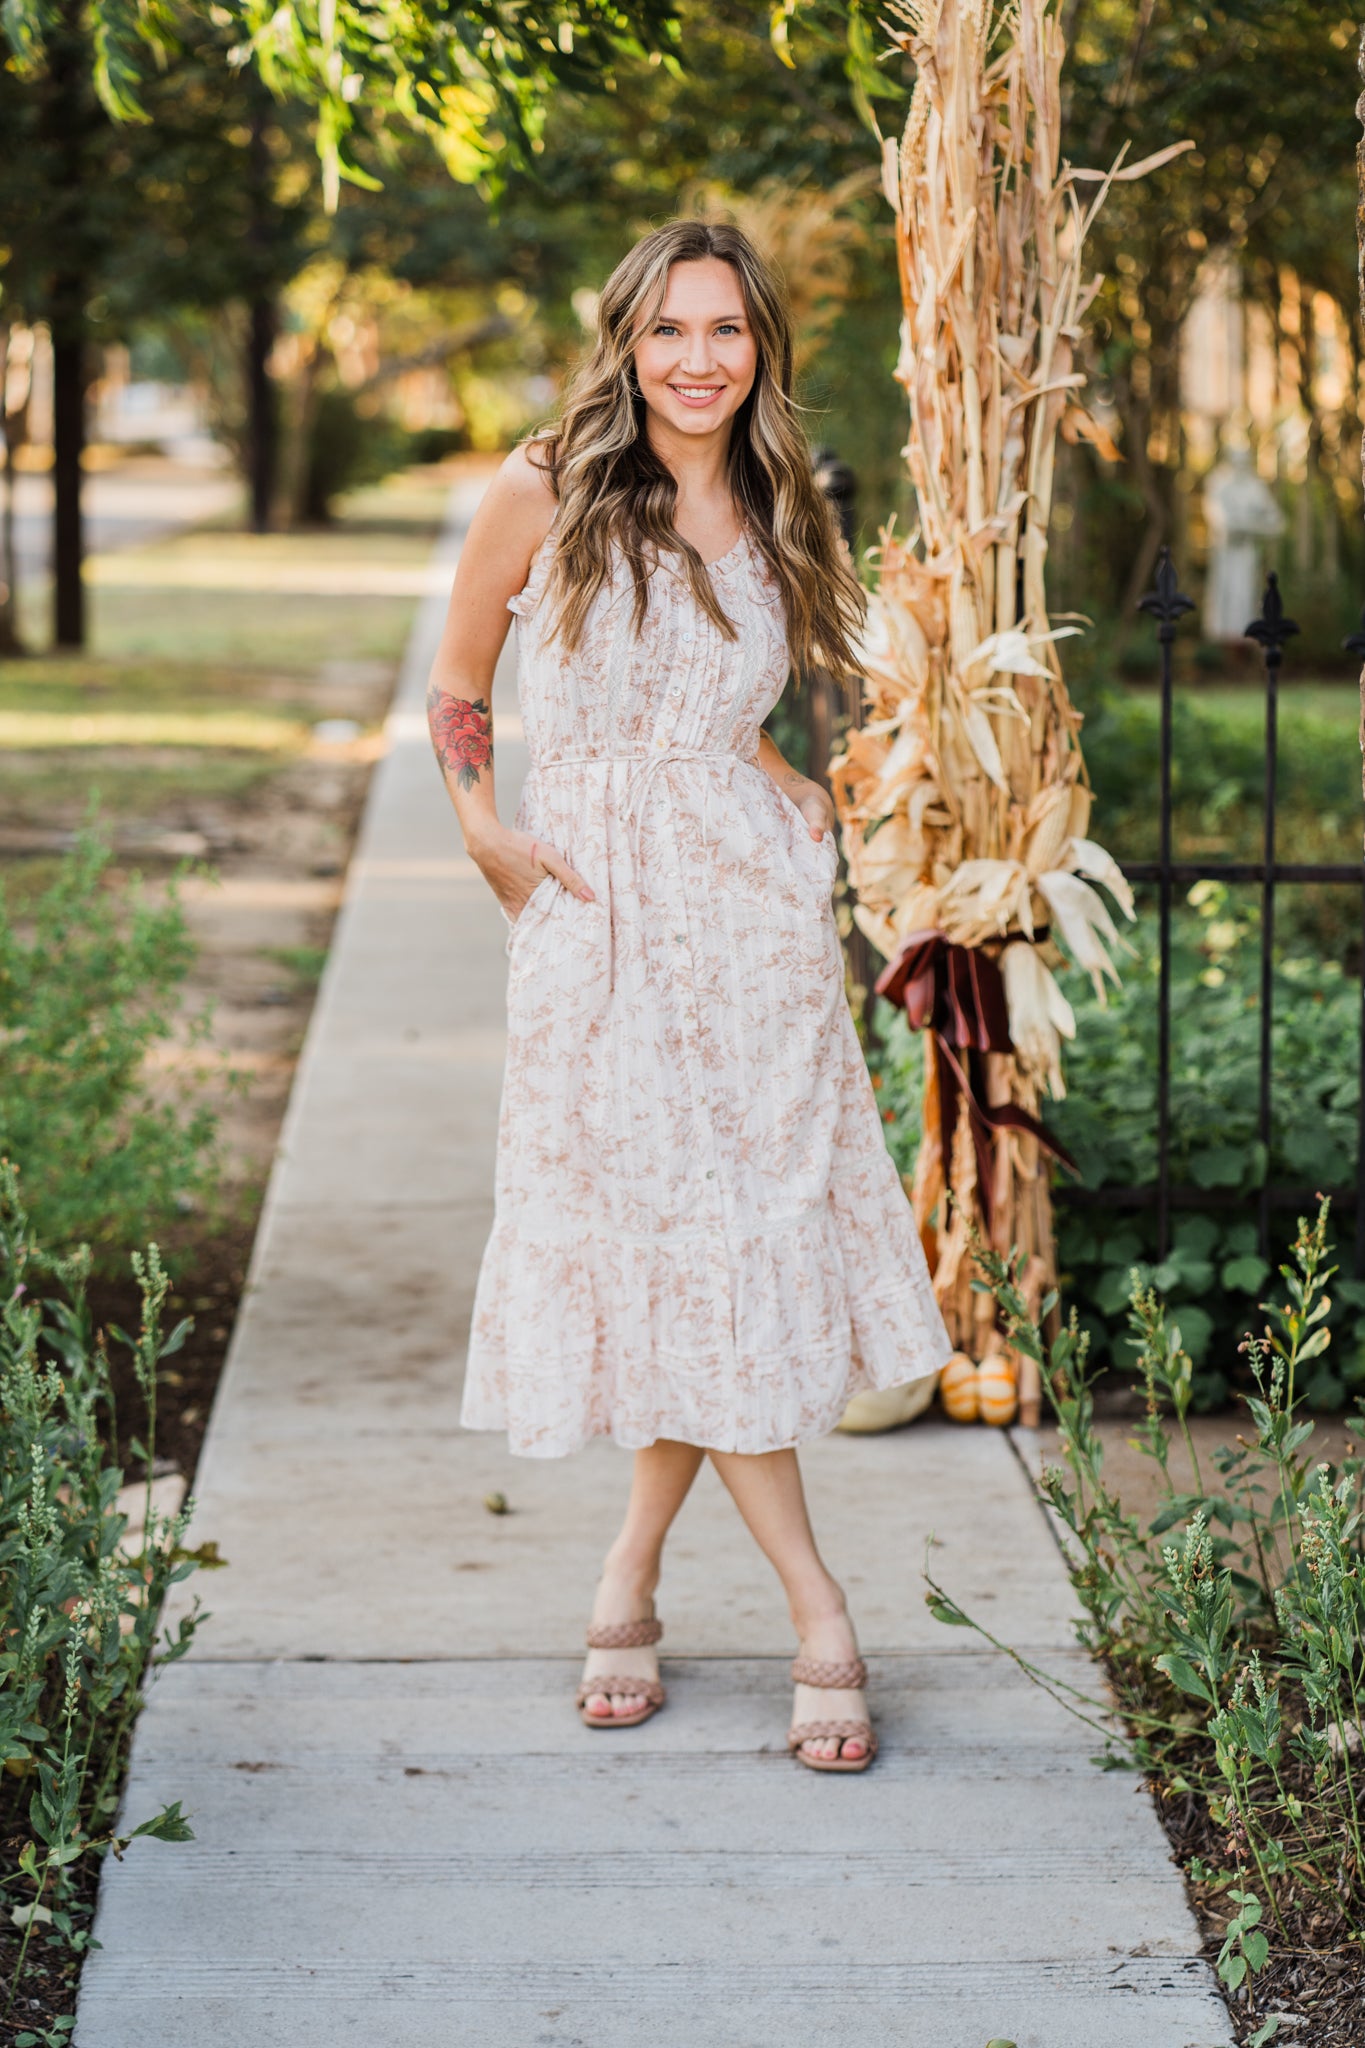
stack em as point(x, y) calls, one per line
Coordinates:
point(1213, 1273)
point(1246, 1946)
point(1233, 1622)
point(91, 981)
point(80, 1605)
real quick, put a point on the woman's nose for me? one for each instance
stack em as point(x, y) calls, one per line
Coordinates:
point(696, 360)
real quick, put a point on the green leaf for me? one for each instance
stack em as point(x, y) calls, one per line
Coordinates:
point(1195, 1234)
point(1265, 2033)
point(1195, 1330)
point(1256, 1948)
point(1246, 1274)
point(170, 1825)
point(1221, 1166)
point(1324, 1392)
point(175, 1342)
point(1179, 1508)
point(947, 1611)
point(1232, 1969)
point(1183, 1675)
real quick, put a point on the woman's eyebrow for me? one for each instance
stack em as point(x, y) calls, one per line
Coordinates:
point(676, 319)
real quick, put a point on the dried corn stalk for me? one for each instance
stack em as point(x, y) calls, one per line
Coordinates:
point(963, 800)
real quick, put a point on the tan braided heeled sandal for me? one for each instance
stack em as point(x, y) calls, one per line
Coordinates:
point(850, 1677)
point(625, 1635)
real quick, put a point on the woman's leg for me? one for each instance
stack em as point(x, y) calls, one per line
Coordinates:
point(768, 1492)
point(659, 1486)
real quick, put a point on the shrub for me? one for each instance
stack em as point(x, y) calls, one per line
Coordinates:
point(89, 983)
point(1213, 1272)
point(1233, 1625)
point(79, 1610)
point(346, 448)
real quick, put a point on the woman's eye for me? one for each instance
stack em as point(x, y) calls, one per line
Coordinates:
point(665, 327)
point(727, 327)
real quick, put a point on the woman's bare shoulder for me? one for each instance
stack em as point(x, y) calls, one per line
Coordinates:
point(513, 517)
point(521, 496)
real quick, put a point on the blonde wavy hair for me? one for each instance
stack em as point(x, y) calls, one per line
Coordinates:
point(613, 488)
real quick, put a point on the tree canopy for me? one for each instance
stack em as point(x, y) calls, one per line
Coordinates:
point(475, 78)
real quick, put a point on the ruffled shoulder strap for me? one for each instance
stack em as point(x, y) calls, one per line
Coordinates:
point(528, 597)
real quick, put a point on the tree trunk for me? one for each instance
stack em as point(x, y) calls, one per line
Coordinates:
point(263, 420)
point(1360, 247)
point(68, 446)
point(1137, 417)
point(68, 290)
point(11, 424)
point(263, 427)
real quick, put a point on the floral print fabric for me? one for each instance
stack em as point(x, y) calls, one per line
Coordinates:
point(698, 1231)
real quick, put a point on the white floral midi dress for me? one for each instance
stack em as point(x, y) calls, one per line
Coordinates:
point(698, 1231)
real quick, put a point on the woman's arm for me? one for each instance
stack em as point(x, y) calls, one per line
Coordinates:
point(511, 522)
point(810, 799)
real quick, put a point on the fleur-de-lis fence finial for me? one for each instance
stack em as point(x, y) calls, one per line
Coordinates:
point(1272, 628)
point(1167, 602)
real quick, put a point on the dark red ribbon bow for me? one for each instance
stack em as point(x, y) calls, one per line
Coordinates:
point(958, 993)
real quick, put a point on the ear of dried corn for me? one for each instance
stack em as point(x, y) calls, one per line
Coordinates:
point(963, 797)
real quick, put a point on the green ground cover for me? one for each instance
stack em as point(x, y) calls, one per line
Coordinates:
point(214, 652)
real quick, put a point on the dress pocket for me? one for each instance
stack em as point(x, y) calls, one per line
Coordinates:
point(532, 910)
point(826, 859)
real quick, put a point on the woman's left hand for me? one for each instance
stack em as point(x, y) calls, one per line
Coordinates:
point(816, 808)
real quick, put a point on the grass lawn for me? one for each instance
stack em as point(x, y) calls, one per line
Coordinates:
point(213, 655)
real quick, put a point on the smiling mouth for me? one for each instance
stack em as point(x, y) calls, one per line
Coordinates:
point(696, 393)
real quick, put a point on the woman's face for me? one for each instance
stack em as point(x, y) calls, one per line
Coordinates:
point(696, 362)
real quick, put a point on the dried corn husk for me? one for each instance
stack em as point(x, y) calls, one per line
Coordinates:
point(963, 798)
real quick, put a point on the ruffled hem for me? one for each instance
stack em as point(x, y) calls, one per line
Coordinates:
point(745, 1341)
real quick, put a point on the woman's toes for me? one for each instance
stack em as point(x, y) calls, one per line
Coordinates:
point(853, 1747)
point(599, 1706)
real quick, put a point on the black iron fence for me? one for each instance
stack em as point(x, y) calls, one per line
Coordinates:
point(1272, 630)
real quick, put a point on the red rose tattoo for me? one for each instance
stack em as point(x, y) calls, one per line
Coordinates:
point(462, 734)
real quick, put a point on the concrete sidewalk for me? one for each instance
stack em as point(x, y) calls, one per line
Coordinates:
point(405, 1838)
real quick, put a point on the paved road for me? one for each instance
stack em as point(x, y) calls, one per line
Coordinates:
point(123, 508)
point(405, 1838)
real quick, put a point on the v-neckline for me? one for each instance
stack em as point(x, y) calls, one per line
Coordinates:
point(733, 549)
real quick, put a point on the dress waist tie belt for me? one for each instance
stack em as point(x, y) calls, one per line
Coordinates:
point(637, 787)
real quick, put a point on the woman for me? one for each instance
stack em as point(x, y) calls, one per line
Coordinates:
point(701, 1247)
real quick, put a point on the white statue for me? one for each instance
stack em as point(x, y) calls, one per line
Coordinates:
point(1241, 513)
